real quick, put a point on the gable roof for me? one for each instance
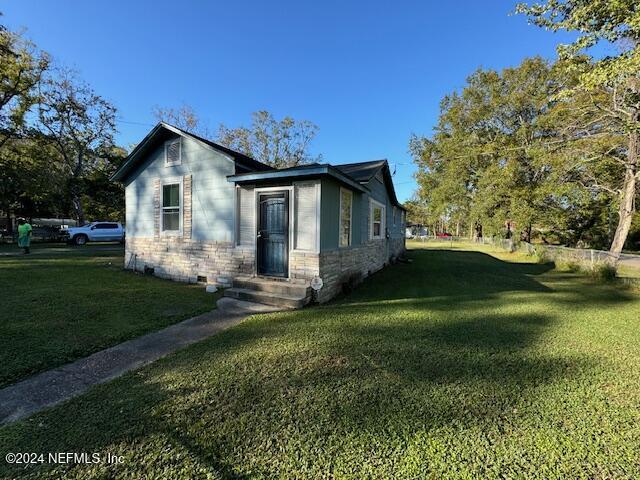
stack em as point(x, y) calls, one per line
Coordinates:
point(357, 175)
point(241, 157)
point(162, 131)
point(364, 172)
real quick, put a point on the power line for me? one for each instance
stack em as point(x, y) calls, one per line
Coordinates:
point(121, 120)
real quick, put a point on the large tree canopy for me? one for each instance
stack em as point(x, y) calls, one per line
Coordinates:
point(510, 155)
point(596, 22)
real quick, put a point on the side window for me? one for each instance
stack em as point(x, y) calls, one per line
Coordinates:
point(171, 207)
point(377, 220)
point(173, 152)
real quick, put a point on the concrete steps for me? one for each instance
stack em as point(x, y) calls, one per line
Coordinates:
point(277, 293)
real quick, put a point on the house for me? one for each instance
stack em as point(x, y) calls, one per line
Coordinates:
point(197, 211)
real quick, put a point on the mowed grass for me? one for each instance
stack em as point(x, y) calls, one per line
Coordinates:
point(462, 364)
point(62, 303)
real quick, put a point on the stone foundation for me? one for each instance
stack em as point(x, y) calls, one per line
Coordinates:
point(355, 263)
point(184, 260)
point(303, 266)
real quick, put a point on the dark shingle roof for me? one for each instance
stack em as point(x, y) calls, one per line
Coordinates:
point(362, 171)
point(240, 157)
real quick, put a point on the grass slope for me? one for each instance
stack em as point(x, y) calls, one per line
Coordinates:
point(459, 365)
point(60, 306)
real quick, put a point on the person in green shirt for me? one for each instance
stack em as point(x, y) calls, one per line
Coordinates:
point(24, 235)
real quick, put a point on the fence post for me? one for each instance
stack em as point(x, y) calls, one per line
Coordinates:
point(592, 260)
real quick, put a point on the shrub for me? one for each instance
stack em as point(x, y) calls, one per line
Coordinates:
point(604, 272)
point(568, 266)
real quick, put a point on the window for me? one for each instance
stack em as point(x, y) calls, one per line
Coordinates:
point(346, 200)
point(104, 226)
point(173, 152)
point(171, 207)
point(377, 219)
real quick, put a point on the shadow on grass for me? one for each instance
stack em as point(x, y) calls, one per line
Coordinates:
point(438, 276)
point(413, 350)
point(261, 394)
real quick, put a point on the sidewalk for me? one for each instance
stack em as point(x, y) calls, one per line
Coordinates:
point(54, 386)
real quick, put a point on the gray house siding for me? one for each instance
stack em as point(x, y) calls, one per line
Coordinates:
point(379, 193)
point(216, 238)
point(360, 229)
point(340, 265)
point(212, 198)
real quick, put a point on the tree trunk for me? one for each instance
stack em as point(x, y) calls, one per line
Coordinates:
point(526, 234)
point(627, 199)
point(77, 207)
point(76, 202)
point(477, 231)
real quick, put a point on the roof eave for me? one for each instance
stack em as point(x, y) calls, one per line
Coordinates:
point(126, 167)
point(297, 173)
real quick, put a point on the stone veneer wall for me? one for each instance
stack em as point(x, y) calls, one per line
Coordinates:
point(184, 259)
point(303, 266)
point(336, 266)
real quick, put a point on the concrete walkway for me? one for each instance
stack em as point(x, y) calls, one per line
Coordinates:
point(54, 386)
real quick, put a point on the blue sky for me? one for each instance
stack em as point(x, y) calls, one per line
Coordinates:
point(367, 73)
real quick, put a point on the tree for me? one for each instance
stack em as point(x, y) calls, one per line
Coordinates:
point(104, 199)
point(21, 69)
point(417, 212)
point(80, 125)
point(480, 168)
point(279, 143)
point(617, 22)
point(183, 117)
point(30, 183)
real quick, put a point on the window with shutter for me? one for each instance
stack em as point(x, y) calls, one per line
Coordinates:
point(246, 213)
point(346, 201)
point(306, 223)
point(173, 152)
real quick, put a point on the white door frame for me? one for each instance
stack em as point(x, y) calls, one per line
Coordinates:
point(256, 216)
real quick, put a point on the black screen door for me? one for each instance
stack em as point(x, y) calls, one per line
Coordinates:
point(273, 234)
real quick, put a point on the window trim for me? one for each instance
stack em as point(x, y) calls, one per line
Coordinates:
point(172, 181)
point(167, 163)
point(350, 219)
point(372, 205)
point(294, 238)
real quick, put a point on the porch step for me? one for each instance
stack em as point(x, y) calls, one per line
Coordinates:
point(267, 298)
point(280, 287)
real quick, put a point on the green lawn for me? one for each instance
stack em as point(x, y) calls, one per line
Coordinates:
point(62, 303)
point(462, 364)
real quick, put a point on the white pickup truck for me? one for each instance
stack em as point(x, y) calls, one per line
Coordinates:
point(96, 232)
